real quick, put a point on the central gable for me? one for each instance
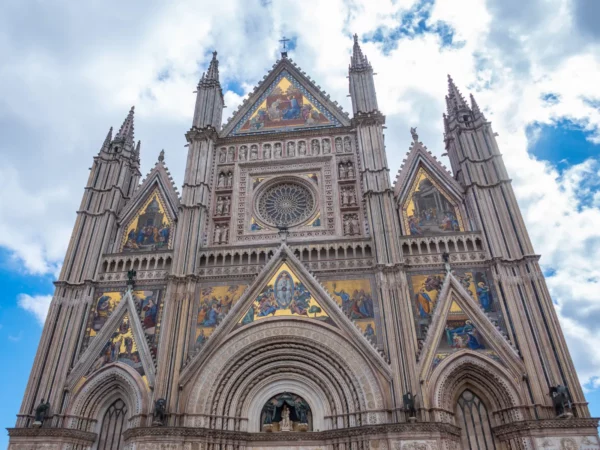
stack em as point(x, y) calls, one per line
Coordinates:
point(288, 103)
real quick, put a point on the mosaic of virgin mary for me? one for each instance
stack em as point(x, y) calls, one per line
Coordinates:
point(284, 107)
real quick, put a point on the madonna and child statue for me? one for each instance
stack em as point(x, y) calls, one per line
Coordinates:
point(286, 412)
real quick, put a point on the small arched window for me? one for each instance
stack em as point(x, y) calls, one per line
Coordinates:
point(474, 420)
point(113, 425)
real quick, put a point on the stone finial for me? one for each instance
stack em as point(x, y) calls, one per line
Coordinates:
point(161, 156)
point(455, 100)
point(126, 131)
point(413, 133)
point(358, 61)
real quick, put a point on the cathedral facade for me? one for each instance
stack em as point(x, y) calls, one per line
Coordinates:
point(292, 297)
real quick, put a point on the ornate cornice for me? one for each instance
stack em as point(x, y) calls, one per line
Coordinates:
point(518, 429)
point(404, 428)
point(68, 433)
point(368, 118)
point(207, 133)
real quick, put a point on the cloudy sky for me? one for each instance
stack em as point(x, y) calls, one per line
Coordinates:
point(70, 70)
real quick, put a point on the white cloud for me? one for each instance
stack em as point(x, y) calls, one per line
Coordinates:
point(37, 305)
point(66, 79)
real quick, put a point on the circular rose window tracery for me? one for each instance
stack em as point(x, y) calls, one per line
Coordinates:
point(285, 204)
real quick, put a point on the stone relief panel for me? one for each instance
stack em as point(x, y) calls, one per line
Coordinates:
point(568, 443)
point(416, 445)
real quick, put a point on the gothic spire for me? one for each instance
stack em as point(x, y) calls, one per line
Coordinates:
point(454, 100)
point(126, 131)
point(475, 107)
point(107, 140)
point(358, 61)
point(209, 97)
point(211, 77)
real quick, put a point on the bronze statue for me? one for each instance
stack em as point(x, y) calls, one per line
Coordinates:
point(409, 405)
point(561, 400)
point(41, 412)
point(131, 274)
point(160, 411)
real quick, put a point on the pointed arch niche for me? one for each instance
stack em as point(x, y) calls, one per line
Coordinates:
point(429, 209)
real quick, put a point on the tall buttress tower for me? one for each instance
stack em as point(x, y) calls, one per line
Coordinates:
point(291, 296)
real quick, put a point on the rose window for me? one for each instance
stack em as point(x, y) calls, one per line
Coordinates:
point(285, 204)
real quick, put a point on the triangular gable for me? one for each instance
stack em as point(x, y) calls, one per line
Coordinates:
point(158, 192)
point(285, 100)
point(430, 200)
point(459, 324)
point(121, 340)
point(149, 306)
point(284, 260)
point(285, 295)
point(418, 156)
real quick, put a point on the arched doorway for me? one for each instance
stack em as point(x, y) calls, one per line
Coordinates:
point(110, 434)
point(286, 412)
point(473, 417)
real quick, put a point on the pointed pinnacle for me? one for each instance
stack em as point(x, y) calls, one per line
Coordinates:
point(126, 131)
point(457, 101)
point(474, 106)
point(108, 139)
point(213, 68)
point(358, 61)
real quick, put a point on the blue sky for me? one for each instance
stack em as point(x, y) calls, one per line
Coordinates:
point(72, 70)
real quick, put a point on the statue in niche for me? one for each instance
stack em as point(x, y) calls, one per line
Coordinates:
point(267, 151)
point(350, 170)
point(345, 197)
point(302, 148)
point(223, 155)
point(220, 206)
point(217, 234)
point(347, 145)
point(230, 179)
point(343, 171)
point(315, 147)
point(231, 154)
point(221, 182)
point(277, 152)
point(351, 197)
point(326, 147)
point(355, 224)
point(285, 424)
point(254, 152)
point(227, 207)
point(225, 236)
point(291, 149)
point(338, 145)
point(243, 152)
